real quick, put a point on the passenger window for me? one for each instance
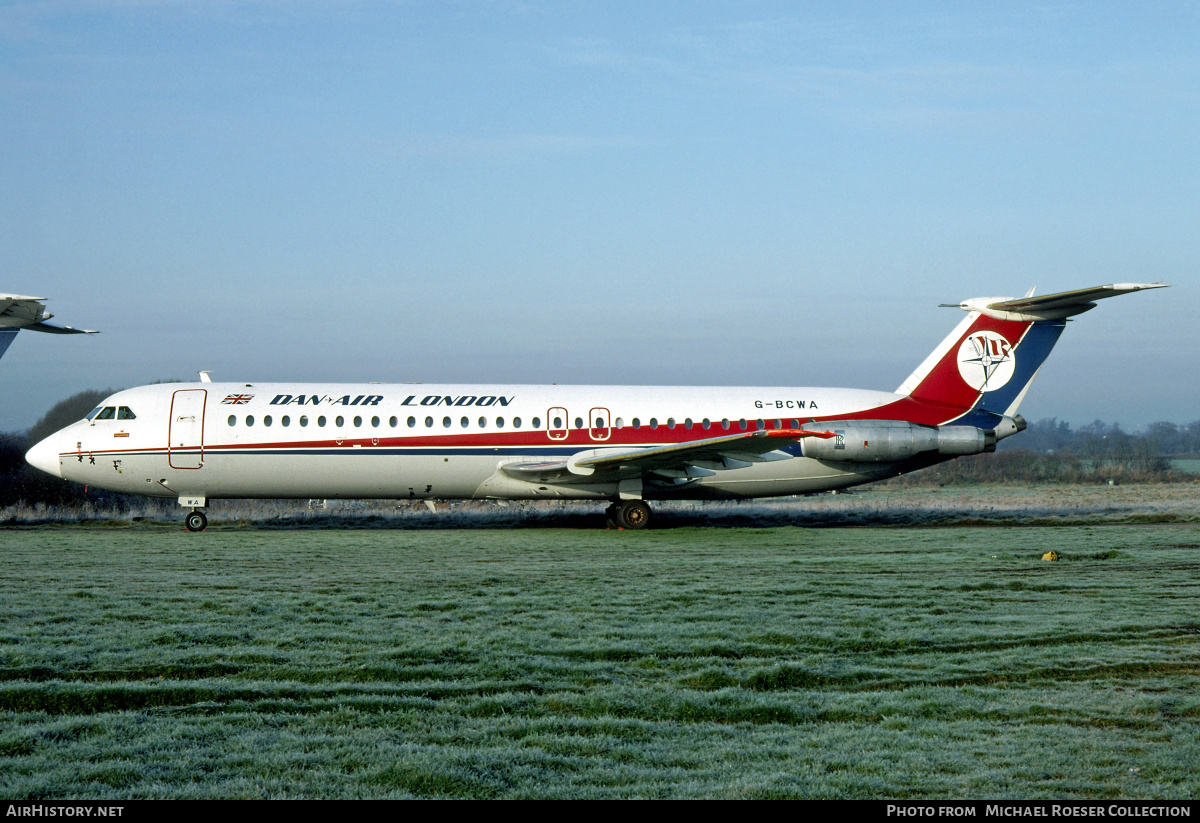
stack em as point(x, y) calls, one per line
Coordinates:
point(464, 422)
point(687, 424)
point(321, 421)
point(394, 422)
point(445, 422)
point(537, 422)
point(412, 421)
point(499, 422)
point(233, 419)
point(339, 421)
point(579, 422)
point(357, 422)
point(375, 422)
point(742, 424)
point(483, 422)
point(249, 420)
point(266, 420)
point(654, 422)
point(429, 422)
point(725, 423)
point(516, 422)
point(285, 420)
point(637, 424)
point(706, 423)
point(670, 422)
point(303, 420)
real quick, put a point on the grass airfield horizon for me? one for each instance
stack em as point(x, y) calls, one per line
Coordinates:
point(880, 504)
point(708, 658)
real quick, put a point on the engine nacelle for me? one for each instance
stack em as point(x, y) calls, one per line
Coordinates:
point(889, 441)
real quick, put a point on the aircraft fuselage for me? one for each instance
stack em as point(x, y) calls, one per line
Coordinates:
point(215, 440)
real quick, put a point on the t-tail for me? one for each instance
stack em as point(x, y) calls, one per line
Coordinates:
point(981, 372)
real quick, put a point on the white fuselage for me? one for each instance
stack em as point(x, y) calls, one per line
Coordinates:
point(223, 440)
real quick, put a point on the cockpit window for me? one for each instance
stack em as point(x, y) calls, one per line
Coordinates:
point(106, 413)
point(125, 413)
point(92, 414)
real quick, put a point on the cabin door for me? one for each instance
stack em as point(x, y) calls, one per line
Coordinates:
point(185, 436)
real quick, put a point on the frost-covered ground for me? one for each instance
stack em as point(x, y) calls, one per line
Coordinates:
point(869, 506)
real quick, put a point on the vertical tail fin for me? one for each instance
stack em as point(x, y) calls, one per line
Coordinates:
point(989, 361)
point(6, 338)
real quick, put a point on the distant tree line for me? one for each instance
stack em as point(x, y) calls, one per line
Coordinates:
point(21, 483)
point(1103, 440)
point(1048, 451)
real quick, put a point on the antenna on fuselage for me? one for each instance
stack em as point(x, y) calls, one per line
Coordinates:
point(204, 378)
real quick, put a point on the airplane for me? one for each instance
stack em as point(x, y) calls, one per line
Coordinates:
point(18, 312)
point(628, 445)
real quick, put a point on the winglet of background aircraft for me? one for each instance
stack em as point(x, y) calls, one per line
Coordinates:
point(18, 312)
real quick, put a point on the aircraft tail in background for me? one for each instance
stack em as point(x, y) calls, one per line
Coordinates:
point(18, 312)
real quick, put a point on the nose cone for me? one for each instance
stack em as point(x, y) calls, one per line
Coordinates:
point(44, 456)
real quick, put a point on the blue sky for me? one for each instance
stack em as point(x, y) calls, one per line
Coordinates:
point(747, 193)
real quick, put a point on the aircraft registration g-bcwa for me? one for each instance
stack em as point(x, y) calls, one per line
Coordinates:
point(625, 444)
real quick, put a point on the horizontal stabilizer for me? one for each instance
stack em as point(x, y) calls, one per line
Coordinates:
point(47, 327)
point(21, 312)
point(1049, 306)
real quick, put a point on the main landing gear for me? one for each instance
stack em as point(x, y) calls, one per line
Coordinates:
point(197, 521)
point(628, 514)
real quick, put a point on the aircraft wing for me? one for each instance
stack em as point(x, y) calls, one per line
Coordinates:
point(675, 462)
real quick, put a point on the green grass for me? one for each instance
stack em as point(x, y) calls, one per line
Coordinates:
point(143, 661)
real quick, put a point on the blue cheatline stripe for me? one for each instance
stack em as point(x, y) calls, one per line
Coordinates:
point(6, 338)
point(1030, 354)
point(479, 451)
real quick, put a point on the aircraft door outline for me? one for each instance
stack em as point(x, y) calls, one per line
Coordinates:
point(185, 432)
point(599, 423)
point(557, 423)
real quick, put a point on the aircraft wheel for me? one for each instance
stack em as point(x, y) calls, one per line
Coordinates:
point(633, 514)
point(196, 522)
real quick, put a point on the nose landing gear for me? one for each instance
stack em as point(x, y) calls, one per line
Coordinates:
point(197, 521)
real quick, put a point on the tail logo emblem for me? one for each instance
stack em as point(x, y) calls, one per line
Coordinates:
point(986, 361)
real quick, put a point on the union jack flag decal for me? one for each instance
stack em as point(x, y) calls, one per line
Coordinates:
point(237, 399)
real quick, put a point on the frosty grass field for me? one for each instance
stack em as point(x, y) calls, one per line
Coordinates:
point(938, 656)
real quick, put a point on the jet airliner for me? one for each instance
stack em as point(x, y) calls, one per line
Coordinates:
point(197, 442)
